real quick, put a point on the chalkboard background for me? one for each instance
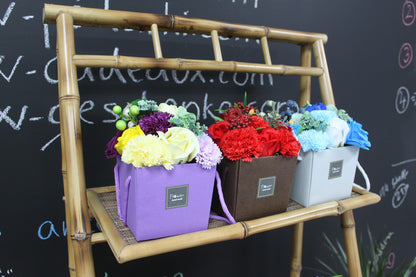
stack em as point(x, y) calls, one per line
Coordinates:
point(370, 56)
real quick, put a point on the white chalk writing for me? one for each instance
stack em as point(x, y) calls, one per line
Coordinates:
point(9, 76)
point(398, 187)
point(7, 13)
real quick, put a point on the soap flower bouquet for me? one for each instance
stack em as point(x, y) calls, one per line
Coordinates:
point(152, 135)
point(241, 132)
point(319, 127)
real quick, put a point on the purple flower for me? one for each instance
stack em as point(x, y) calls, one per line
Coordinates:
point(110, 151)
point(157, 121)
point(318, 106)
point(209, 153)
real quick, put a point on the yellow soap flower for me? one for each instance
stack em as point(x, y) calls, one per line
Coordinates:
point(182, 142)
point(148, 150)
point(126, 136)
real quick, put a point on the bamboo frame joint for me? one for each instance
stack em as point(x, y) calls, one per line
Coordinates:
point(348, 225)
point(81, 236)
point(341, 209)
point(296, 268)
point(172, 20)
point(245, 229)
point(118, 58)
point(266, 31)
point(69, 97)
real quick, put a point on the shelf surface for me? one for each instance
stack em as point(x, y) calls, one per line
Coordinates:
point(103, 205)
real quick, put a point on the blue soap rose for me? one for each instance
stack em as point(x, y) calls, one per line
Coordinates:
point(318, 106)
point(357, 136)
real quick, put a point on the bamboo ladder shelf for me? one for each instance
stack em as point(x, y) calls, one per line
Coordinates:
point(82, 203)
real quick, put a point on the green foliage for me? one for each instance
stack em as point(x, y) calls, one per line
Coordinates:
point(341, 113)
point(187, 120)
point(308, 122)
point(372, 258)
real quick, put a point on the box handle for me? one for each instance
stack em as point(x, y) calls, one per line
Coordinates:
point(122, 211)
point(366, 179)
point(229, 218)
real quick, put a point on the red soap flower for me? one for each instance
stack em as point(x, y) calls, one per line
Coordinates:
point(271, 141)
point(241, 144)
point(218, 130)
point(289, 145)
point(258, 123)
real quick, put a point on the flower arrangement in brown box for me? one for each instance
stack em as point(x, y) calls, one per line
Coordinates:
point(259, 162)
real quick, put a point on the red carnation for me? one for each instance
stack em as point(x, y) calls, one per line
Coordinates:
point(290, 146)
point(241, 144)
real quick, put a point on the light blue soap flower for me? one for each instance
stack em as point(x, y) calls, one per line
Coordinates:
point(314, 140)
point(324, 115)
point(357, 136)
point(296, 117)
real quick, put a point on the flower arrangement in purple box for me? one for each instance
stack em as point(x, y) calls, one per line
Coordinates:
point(165, 169)
point(152, 135)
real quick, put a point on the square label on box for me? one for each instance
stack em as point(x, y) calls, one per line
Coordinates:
point(176, 197)
point(335, 169)
point(266, 186)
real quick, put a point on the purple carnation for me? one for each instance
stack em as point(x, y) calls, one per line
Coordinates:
point(157, 121)
point(110, 151)
point(209, 153)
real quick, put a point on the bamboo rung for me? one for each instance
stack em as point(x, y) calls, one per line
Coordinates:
point(156, 41)
point(170, 23)
point(98, 238)
point(216, 45)
point(190, 64)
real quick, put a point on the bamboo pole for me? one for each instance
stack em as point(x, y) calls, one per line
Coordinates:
point(68, 208)
point(170, 23)
point(327, 94)
point(156, 41)
point(272, 222)
point(72, 154)
point(296, 264)
point(266, 51)
point(190, 64)
point(216, 45)
point(305, 81)
point(350, 240)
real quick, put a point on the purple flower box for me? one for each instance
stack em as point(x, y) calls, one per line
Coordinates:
point(154, 202)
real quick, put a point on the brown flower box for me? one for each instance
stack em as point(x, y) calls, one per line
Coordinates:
point(258, 188)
